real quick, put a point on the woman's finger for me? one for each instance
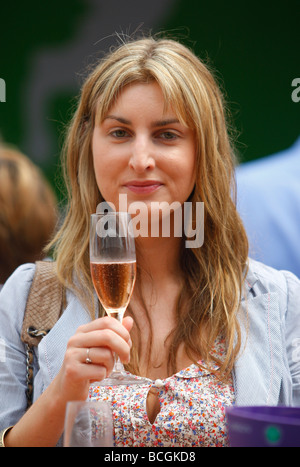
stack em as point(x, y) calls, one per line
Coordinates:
point(107, 322)
point(106, 338)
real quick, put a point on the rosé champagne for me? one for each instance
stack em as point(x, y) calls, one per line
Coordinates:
point(113, 282)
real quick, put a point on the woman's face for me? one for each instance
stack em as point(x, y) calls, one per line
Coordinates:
point(142, 150)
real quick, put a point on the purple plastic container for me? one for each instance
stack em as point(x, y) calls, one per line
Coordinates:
point(263, 426)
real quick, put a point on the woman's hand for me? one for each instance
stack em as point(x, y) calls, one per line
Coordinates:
point(43, 423)
point(103, 337)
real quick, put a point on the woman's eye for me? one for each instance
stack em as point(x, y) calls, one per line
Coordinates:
point(168, 135)
point(119, 133)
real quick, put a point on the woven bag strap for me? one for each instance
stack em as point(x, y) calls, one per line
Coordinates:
point(44, 304)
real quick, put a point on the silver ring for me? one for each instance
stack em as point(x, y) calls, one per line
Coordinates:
point(88, 360)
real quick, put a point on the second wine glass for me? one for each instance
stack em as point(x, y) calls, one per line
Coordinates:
point(113, 270)
point(88, 424)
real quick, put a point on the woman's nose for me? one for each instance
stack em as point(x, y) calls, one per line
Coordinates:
point(142, 157)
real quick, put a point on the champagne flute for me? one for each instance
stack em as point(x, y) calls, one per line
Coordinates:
point(88, 424)
point(113, 270)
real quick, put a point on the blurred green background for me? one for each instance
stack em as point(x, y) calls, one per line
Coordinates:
point(46, 46)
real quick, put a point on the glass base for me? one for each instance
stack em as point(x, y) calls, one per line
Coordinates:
point(118, 378)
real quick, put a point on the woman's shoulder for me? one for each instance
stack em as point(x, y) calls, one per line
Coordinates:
point(20, 280)
point(13, 299)
point(262, 279)
point(267, 279)
point(14, 292)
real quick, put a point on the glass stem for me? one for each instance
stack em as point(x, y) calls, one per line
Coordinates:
point(118, 366)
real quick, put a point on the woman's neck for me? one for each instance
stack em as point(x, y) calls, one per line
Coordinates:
point(159, 258)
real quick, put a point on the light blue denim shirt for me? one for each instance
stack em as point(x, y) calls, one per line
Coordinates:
point(267, 371)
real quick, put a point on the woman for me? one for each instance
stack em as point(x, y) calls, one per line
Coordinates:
point(207, 327)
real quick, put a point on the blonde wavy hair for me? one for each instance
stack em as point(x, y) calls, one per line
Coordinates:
point(213, 274)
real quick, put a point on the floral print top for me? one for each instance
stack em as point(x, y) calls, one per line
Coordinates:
point(192, 410)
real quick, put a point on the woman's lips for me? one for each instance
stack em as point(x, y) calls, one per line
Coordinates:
point(143, 187)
